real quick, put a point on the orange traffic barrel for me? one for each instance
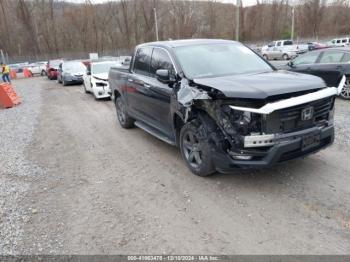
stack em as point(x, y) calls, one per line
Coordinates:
point(27, 73)
point(13, 74)
point(8, 96)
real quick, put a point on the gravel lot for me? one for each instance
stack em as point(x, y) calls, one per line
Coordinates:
point(73, 182)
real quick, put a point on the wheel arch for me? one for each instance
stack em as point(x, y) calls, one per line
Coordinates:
point(197, 114)
point(116, 94)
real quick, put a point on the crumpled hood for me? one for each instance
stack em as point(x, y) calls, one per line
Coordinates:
point(101, 76)
point(262, 85)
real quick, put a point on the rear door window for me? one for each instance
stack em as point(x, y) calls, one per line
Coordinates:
point(308, 58)
point(161, 60)
point(346, 58)
point(330, 57)
point(142, 61)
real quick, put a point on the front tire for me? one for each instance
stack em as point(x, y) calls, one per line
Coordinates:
point(85, 90)
point(124, 120)
point(345, 92)
point(195, 150)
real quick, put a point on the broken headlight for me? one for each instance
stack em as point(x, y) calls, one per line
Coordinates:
point(240, 122)
point(101, 84)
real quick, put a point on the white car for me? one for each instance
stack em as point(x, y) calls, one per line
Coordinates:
point(38, 68)
point(96, 78)
point(283, 49)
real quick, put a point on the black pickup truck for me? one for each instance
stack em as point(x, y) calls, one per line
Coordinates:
point(222, 104)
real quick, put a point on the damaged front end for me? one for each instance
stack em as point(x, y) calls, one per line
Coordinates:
point(254, 134)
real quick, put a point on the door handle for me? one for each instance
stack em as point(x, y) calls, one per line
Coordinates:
point(130, 80)
point(339, 67)
point(146, 85)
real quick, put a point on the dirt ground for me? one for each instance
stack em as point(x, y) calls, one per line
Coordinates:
point(96, 188)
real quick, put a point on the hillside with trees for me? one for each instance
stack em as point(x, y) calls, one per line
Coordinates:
point(39, 29)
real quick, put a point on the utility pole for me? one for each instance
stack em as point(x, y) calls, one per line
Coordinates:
point(2, 56)
point(293, 21)
point(156, 23)
point(238, 5)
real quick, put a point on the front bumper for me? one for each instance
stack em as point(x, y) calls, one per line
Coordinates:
point(101, 91)
point(287, 148)
point(73, 79)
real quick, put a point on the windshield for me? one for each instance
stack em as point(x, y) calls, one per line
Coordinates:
point(214, 60)
point(101, 68)
point(55, 63)
point(74, 67)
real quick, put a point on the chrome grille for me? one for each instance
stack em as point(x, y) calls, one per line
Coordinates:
point(289, 119)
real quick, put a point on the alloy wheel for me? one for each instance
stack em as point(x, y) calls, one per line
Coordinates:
point(121, 111)
point(345, 92)
point(192, 149)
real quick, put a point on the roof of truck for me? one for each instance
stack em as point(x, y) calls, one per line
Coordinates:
point(187, 42)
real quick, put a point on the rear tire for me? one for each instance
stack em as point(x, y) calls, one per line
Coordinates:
point(345, 92)
point(124, 120)
point(195, 150)
point(285, 57)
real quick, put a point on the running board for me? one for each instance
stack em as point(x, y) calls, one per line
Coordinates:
point(154, 132)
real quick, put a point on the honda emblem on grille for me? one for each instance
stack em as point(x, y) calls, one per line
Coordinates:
point(307, 113)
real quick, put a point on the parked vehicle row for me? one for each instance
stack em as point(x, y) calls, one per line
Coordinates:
point(92, 74)
point(287, 49)
point(223, 105)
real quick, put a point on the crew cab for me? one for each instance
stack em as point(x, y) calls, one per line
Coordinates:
point(222, 104)
point(283, 49)
point(96, 78)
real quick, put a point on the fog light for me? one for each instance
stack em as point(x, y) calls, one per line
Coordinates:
point(100, 93)
point(240, 157)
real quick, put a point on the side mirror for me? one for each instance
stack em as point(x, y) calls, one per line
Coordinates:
point(163, 75)
point(290, 64)
point(88, 73)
